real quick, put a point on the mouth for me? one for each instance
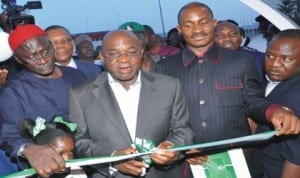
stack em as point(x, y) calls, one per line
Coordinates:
point(199, 37)
point(274, 74)
point(228, 45)
point(46, 66)
point(125, 69)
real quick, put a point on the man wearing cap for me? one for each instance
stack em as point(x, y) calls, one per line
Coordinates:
point(63, 44)
point(84, 48)
point(40, 89)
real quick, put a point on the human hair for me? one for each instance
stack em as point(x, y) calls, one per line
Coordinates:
point(52, 131)
point(54, 27)
point(191, 4)
point(149, 29)
point(288, 34)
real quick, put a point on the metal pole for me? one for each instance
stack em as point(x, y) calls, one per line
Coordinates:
point(162, 19)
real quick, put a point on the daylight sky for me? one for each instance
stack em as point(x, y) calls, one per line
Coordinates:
point(81, 16)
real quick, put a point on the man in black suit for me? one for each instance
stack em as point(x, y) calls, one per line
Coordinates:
point(281, 157)
point(221, 86)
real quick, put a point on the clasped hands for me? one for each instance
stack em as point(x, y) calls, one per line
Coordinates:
point(136, 167)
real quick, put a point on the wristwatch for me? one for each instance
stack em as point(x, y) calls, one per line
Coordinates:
point(21, 151)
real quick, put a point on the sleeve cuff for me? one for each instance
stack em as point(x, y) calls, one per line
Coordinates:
point(272, 108)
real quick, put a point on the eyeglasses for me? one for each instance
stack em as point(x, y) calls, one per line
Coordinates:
point(61, 41)
point(43, 54)
point(113, 55)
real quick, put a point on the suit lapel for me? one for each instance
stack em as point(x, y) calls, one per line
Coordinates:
point(111, 109)
point(283, 87)
point(147, 100)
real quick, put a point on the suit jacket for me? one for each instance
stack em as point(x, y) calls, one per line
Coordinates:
point(89, 70)
point(162, 115)
point(221, 88)
point(285, 147)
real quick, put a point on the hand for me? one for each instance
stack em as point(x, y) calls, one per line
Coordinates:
point(285, 122)
point(131, 167)
point(195, 157)
point(44, 159)
point(3, 76)
point(164, 157)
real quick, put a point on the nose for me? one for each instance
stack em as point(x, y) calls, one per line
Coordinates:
point(197, 27)
point(42, 60)
point(123, 58)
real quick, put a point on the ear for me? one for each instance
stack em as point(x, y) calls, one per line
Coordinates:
point(100, 55)
point(215, 22)
point(20, 61)
point(178, 28)
point(17, 59)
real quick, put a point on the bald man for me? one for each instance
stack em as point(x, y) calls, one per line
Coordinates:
point(126, 103)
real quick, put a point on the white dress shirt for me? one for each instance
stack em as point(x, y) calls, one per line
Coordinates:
point(128, 101)
point(71, 64)
point(270, 86)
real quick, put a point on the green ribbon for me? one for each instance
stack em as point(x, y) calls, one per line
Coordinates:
point(39, 126)
point(72, 126)
point(107, 159)
point(144, 145)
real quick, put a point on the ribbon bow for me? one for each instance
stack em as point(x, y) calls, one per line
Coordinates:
point(39, 126)
point(72, 126)
point(144, 145)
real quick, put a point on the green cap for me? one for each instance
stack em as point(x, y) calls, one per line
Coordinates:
point(132, 26)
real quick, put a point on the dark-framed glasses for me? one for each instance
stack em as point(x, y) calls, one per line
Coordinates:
point(114, 55)
point(48, 52)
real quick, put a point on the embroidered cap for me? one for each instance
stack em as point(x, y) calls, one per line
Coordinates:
point(132, 26)
point(23, 33)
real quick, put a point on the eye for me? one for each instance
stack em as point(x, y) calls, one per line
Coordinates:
point(286, 59)
point(205, 22)
point(233, 34)
point(219, 35)
point(132, 53)
point(187, 25)
point(270, 56)
point(113, 54)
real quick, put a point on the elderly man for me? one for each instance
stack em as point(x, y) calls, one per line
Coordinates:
point(126, 103)
point(40, 89)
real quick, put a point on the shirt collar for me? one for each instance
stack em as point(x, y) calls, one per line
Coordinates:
point(71, 64)
point(112, 81)
point(213, 53)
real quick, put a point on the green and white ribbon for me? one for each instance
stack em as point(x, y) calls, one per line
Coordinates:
point(39, 126)
point(144, 146)
point(108, 159)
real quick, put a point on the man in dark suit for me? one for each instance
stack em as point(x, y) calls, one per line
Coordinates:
point(281, 157)
point(62, 41)
point(126, 103)
point(221, 86)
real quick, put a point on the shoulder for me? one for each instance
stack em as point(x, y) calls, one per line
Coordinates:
point(85, 64)
point(90, 70)
point(71, 75)
point(236, 54)
point(160, 79)
point(90, 84)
